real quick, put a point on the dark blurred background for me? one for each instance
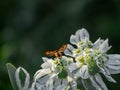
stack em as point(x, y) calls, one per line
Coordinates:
point(30, 27)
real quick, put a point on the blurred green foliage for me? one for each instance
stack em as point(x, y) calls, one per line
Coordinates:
point(29, 27)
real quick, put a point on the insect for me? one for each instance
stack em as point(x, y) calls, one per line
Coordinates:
point(57, 53)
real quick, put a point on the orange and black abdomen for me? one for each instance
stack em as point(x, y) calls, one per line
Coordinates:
point(58, 54)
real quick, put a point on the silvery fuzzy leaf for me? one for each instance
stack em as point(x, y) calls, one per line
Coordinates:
point(69, 49)
point(98, 82)
point(82, 35)
point(104, 47)
point(18, 80)
point(73, 39)
point(11, 71)
point(83, 72)
point(113, 64)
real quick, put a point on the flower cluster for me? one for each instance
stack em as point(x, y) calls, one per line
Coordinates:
point(78, 69)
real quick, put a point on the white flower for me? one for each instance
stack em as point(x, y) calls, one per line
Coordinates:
point(53, 75)
point(91, 58)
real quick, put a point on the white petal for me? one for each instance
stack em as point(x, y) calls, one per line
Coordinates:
point(57, 83)
point(39, 87)
point(73, 39)
point(97, 43)
point(98, 82)
point(73, 85)
point(53, 75)
point(88, 84)
point(114, 59)
point(71, 76)
point(106, 71)
point(112, 71)
point(42, 80)
point(72, 67)
point(109, 78)
point(32, 86)
point(47, 64)
point(107, 75)
point(101, 68)
point(62, 85)
point(113, 64)
point(104, 47)
point(49, 84)
point(40, 73)
point(46, 82)
point(45, 59)
point(83, 72)
point(82, 34)
point(68, 50)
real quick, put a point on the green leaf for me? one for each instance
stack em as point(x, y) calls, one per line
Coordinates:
point(22, 77)
point(64, 63)
point(58, 68)
point(80, 85)
point(11, 71)
point(93, 68)
point(62, 74)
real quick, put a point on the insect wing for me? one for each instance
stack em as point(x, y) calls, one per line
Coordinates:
point(50, 53)
point(62, 48)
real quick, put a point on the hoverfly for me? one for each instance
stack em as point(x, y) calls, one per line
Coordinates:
point(57, 53)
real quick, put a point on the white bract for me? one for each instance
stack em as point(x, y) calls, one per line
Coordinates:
point(18, 79)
